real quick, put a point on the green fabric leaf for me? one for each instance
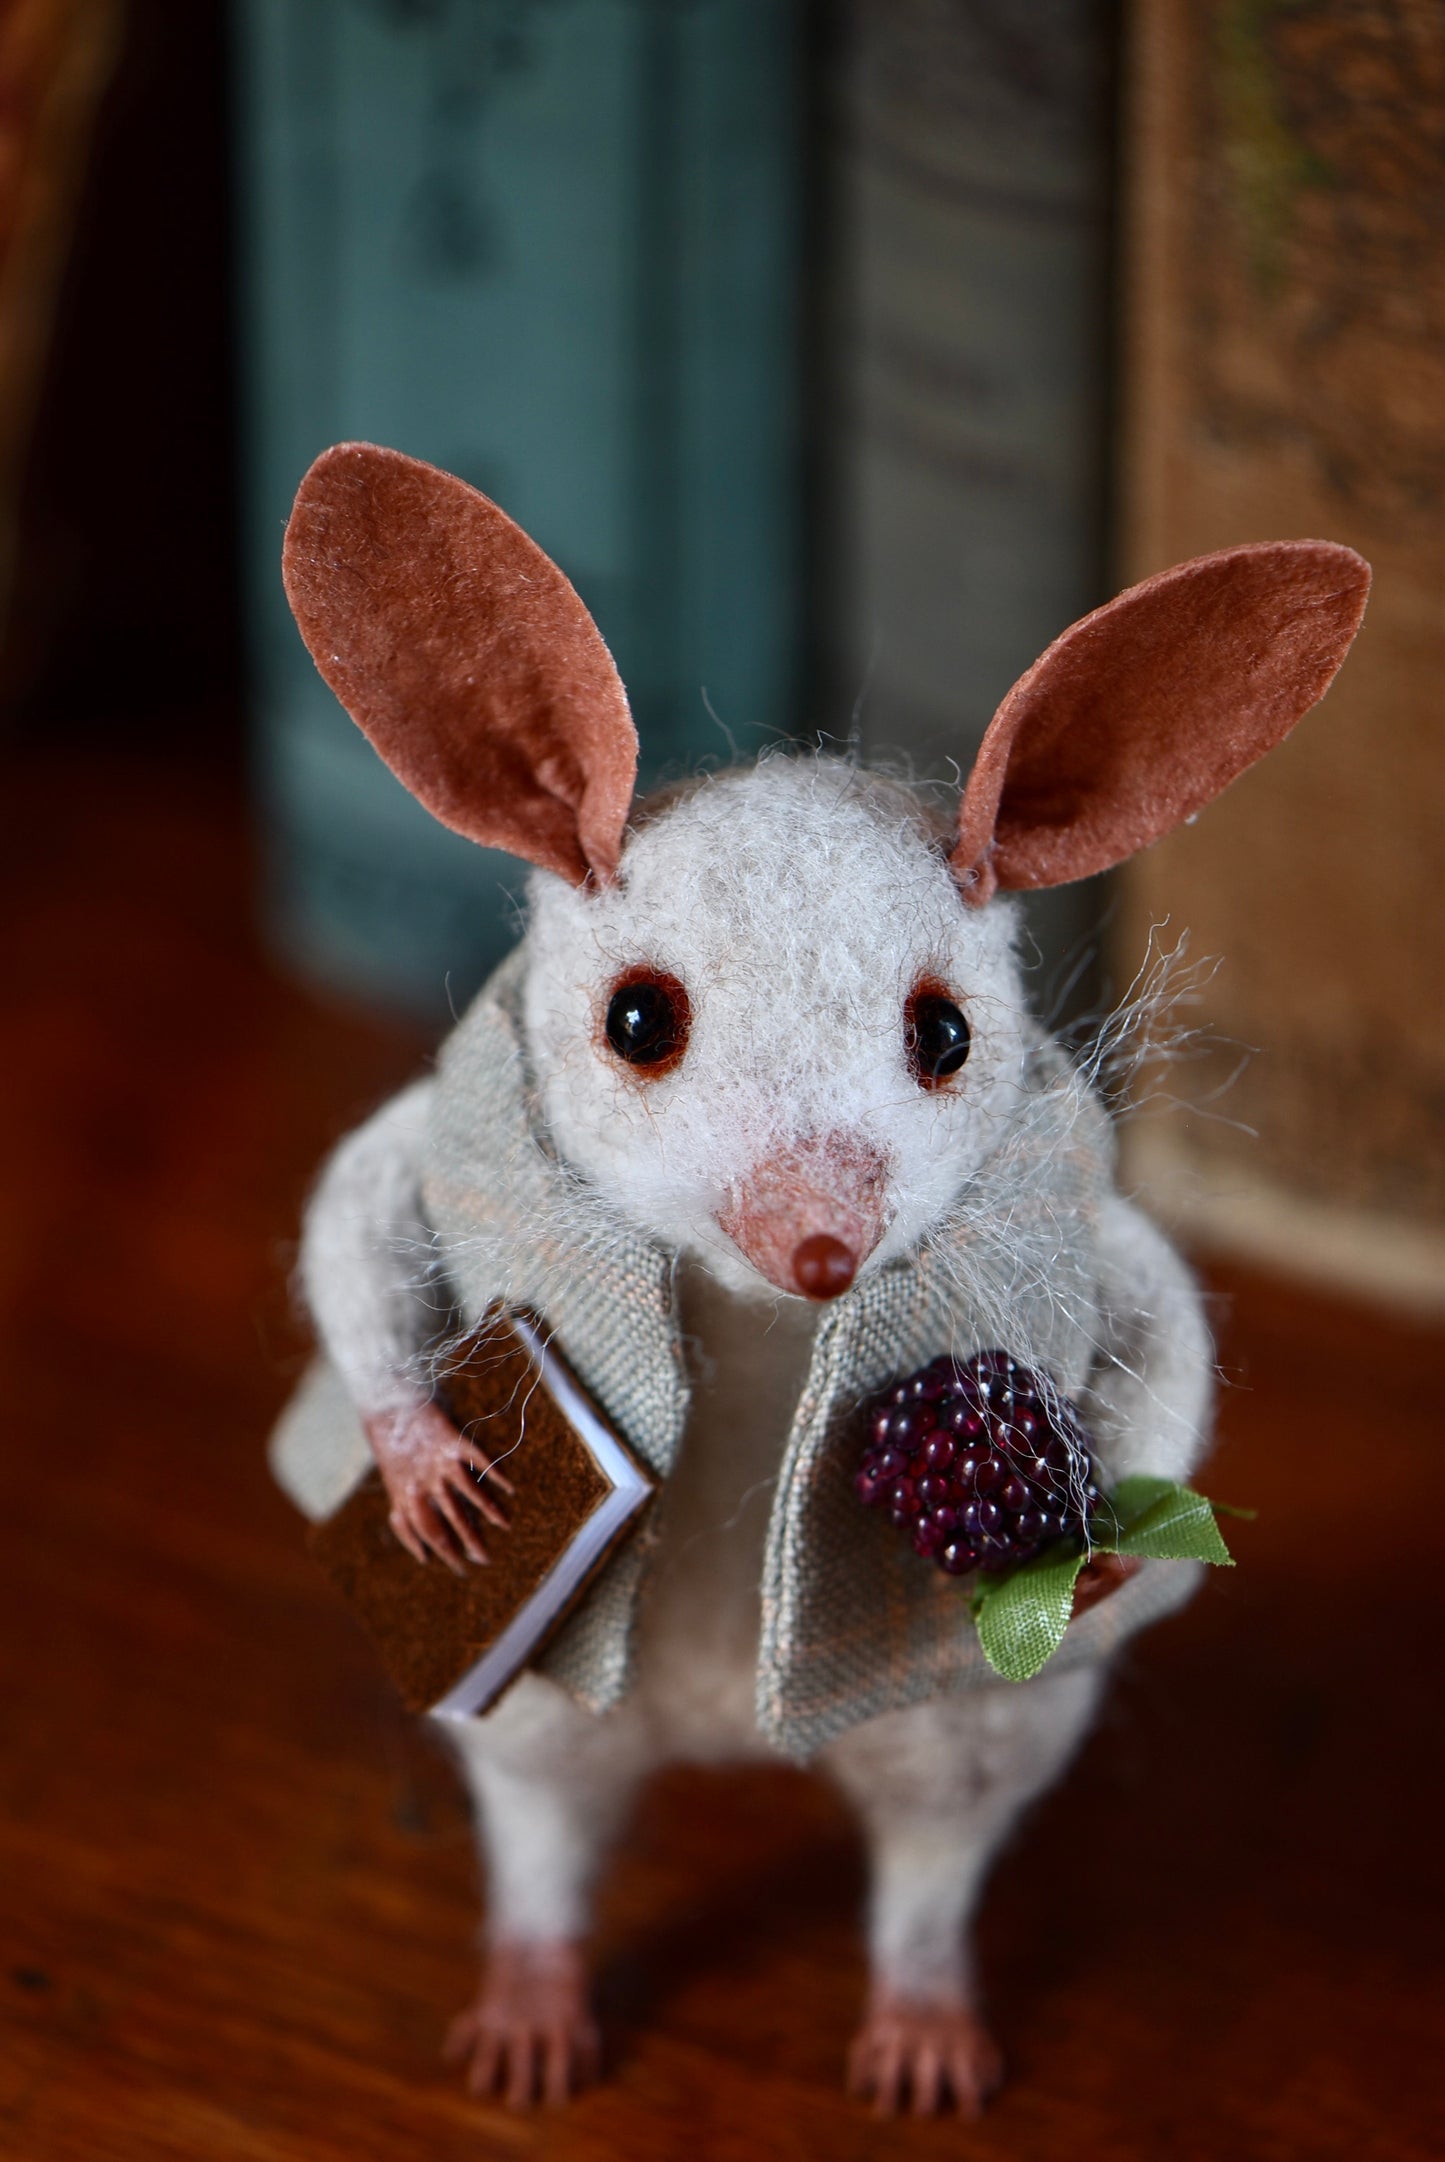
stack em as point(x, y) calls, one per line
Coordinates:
point(1155, 1517)
point(1022, 1618)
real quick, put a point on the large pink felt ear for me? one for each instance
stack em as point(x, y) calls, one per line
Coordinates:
point(466, 657)
point(1145, 710)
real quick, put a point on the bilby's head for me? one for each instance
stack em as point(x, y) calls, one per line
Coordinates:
point(778, 1038)
point(776, 1018)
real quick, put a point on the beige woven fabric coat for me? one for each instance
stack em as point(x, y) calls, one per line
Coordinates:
point(852, 1623)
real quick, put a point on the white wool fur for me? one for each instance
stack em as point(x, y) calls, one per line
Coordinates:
point(799, 902)
point(365, 1256)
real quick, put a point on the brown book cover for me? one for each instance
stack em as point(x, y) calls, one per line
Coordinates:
point(452, 1644)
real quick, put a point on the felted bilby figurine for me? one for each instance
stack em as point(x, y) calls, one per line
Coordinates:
point(756, 1119)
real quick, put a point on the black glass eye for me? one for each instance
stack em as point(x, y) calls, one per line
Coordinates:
point(936, 1035)
point(648, 1018)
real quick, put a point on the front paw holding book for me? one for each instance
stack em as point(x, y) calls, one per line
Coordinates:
point(433, 1478)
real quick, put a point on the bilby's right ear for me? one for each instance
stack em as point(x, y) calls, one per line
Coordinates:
point(1146, 710)
point(465, 656)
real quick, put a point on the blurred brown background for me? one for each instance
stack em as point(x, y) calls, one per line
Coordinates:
point(118, 522)
point(1073, 295)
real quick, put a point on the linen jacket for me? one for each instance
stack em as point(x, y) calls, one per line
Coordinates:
point(853, 1624)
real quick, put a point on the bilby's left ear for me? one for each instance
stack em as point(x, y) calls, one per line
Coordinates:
point(465, 656)
point(1147, 709)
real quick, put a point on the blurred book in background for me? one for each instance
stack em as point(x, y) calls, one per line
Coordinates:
point(552, 246)
point(1285, 375)
point(971, 335)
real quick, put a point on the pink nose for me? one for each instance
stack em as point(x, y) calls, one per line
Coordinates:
point(823, 1267)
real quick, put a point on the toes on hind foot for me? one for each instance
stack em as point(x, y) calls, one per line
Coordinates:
point(927, 2057)
point(530, 2035)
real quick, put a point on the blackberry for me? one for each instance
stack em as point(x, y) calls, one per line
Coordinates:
point(980, 1461)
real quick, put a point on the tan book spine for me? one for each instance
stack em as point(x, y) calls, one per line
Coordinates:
point(1285, 376)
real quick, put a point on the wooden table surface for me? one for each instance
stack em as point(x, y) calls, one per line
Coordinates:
point(239, 1900)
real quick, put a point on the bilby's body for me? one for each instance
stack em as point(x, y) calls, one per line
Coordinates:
point(757, 1119)
point(937, 1784)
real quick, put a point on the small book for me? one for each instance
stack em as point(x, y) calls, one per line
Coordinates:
point(452, 1644)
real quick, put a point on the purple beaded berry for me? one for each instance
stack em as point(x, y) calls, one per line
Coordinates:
point(979, 1461)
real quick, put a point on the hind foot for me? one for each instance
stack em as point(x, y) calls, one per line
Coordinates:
point(924, 2054)
point(530, 2036)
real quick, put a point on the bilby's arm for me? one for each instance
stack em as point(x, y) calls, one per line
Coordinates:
point(369, 1278)
point(1151, 1392)
point(366, 1257)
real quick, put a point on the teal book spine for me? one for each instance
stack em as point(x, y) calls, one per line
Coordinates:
point(552, 246)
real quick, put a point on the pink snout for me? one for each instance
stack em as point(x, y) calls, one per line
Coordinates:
point(808, 1217)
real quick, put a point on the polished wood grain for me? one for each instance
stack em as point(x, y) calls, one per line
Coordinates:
point(239, 1899)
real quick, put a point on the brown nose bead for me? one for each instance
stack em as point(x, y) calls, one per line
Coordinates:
point(823, 1266)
